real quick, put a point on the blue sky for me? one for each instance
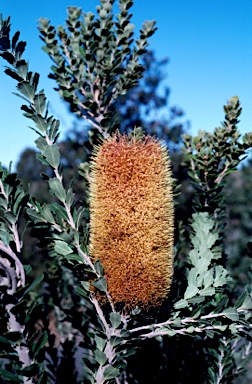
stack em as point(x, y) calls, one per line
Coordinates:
point(209, 44)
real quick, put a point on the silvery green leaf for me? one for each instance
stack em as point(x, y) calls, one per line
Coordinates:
point(52, 155)
point(41, 143)
point(192, 276)
point(100, 357)
point(115, 319)
point(181, 304)
point(48, 214)
point(26, 89)
point(100, 342)
point(40, 103)
point(57, 189)
point(208, 279)
point(98, 267)
point(5, 237)
point(231, 313)
point(210, 291)
point(111, 373)
point(62, 248)
point(69, 197)
point(101, 284)
point(191, 291)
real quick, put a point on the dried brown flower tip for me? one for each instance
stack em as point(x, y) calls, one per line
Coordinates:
point(131, 208)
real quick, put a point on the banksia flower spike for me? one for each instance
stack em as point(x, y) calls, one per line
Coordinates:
point(131, 219)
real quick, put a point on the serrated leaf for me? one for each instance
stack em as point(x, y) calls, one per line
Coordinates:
point(10, 376)
point(181, 304)
point(40, 122)
point(26, 89)
point(5, 237)
point(231, 314)
point(240, 300)
point(69, 197)
point(48, 214)
point(98, 267)
point(40, 103)
point(57, 189)
point(115, 319)
point(59, 211)
point(35, 214)
point(36, 347)
point(100, 284)
point(204, 262)
point(82, 292)
point(111, 373)
point(209, 291)
point(75, 257)
point(191, 291)
point(247, 302)
point(41, 159)
point(62, 248)
point(52, 155)
point(22, 68)
point(100, 357)
point(41, 144)
point(100, 342)
point(54, 127)
point(208, 279)
point(115, 340)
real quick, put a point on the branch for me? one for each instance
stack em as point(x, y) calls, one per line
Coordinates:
point(19, 266)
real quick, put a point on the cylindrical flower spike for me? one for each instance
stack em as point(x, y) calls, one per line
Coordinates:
point(131, 219)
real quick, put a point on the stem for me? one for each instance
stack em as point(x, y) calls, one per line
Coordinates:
point(91, 265)
point(19, 265)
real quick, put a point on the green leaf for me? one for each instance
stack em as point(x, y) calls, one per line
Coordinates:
point(98, 267)
point(26, 89)
point(41, 143)
point(244, 302)
point(115, 340)
point(48, 214)
point(10, 376)
point(5, 237)
point(36, 347)
point(34, 284)
point(100, 284)
point(62, 248)
point(31, 212)
point(181, 304)
point(115, 319)
point(75, 257)
point(3, 340)
point(100, 342)
point(69, 197)
point(100, 357)
point(52, 155)
point(41, 159)
point(209, 291)
point(231, 314)
point(191, 291)
point(111, 373)
point(40, 103)
point(57, 189)
point(59, 211)
point(82, 292)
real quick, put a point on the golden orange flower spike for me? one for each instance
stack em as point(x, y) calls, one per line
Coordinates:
point(131, 219)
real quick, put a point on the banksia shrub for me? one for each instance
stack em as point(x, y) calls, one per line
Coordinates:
point(131, 229)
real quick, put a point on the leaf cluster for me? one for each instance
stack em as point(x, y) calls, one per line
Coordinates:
point(96, 58)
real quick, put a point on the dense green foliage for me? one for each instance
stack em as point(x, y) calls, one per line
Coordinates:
point(53, 328)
